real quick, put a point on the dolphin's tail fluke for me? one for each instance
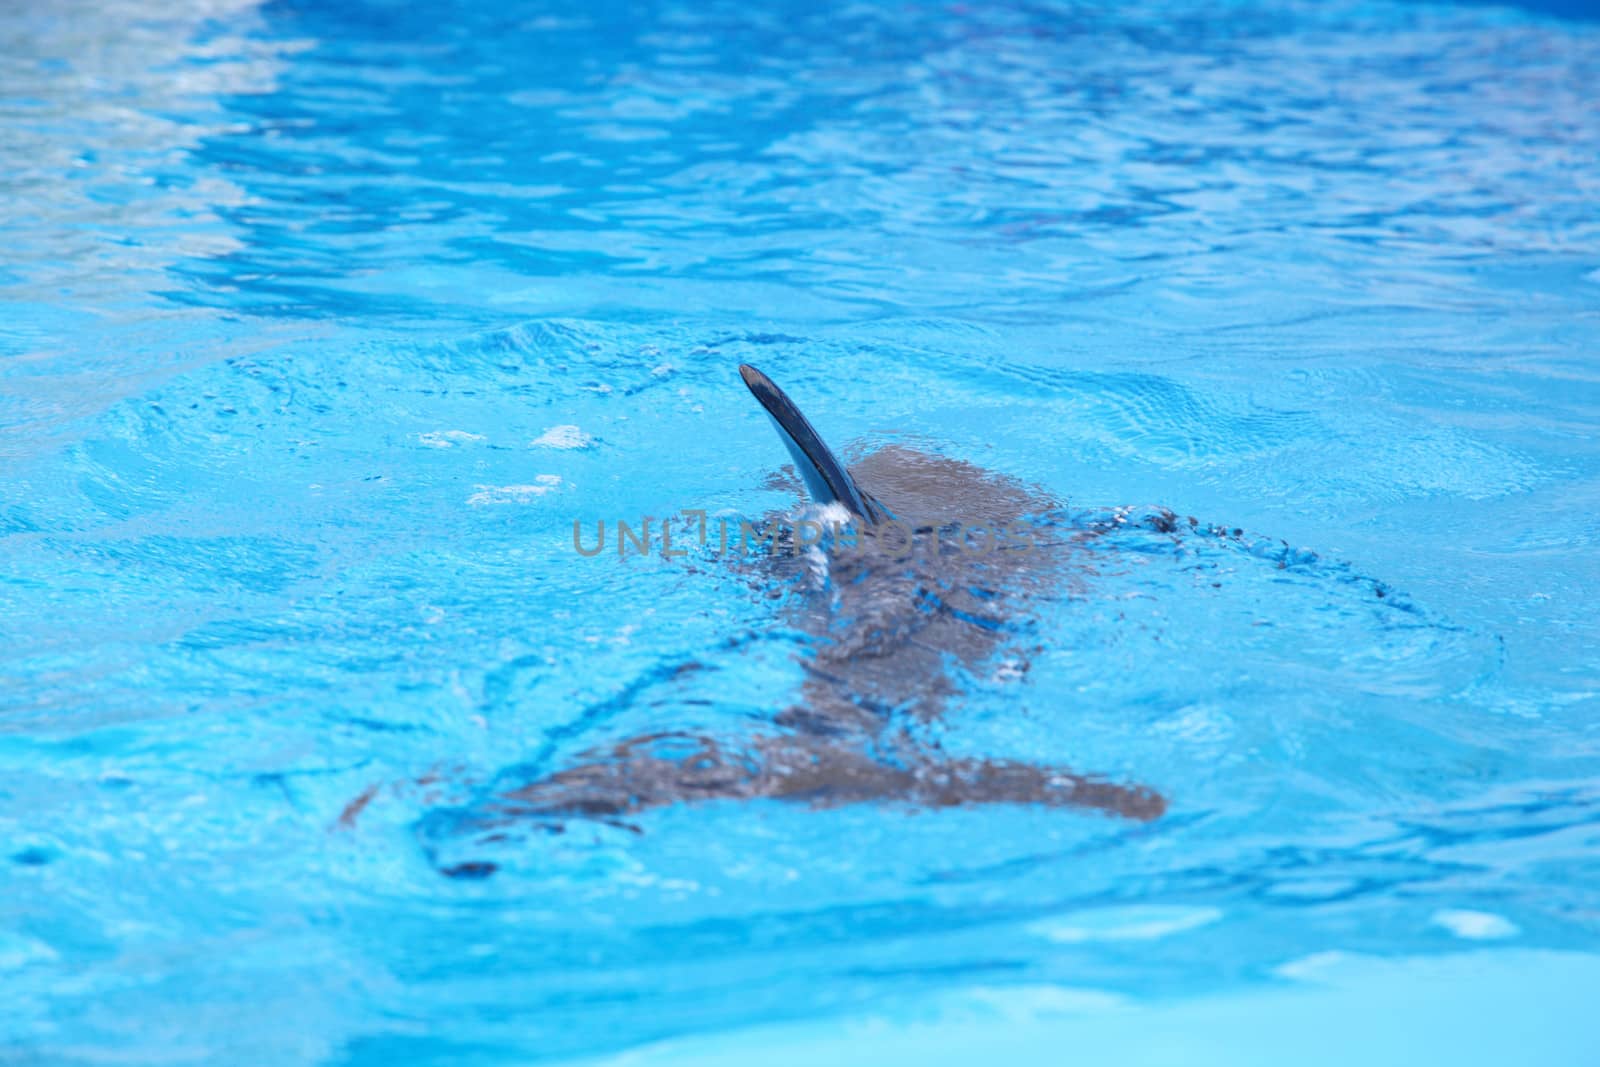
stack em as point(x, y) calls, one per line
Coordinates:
point(670, 768)
point(827, 480)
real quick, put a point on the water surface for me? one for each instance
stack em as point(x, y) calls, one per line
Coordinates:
point(323, 323)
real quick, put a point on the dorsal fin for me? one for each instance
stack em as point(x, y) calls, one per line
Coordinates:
point(827, 480)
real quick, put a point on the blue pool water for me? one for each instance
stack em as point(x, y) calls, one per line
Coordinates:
point(323, 322)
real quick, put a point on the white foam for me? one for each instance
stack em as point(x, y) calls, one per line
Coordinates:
point(1475, 925)
point(448, 438)
point(515, 494)
point(563, 437)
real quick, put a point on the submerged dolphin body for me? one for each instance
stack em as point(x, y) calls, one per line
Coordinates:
point(888, 622)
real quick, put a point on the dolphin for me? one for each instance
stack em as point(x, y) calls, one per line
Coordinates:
point(941, 563)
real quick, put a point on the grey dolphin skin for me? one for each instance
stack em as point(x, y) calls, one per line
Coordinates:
point(885, 628)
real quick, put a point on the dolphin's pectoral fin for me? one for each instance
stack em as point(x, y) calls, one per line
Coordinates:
point(827, 480)
point(663, 769)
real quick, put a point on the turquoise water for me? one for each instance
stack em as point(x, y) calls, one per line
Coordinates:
point(324, 322)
